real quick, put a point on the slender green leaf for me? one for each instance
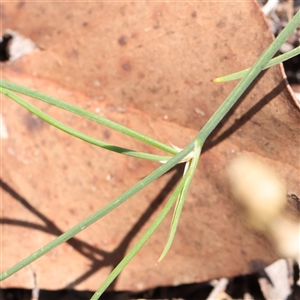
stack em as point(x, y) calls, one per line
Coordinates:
point(190, 169)
point(79, 134)
point(130, 255)
point(86, 114)
point(272, 62)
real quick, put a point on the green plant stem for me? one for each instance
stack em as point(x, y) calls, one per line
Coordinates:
point(247, 79)
point(79, 134)
point(184, 184)
point(274, 61)
point(86, 114)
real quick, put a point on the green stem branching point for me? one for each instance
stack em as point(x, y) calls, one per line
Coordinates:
point(130, 255)
point(274, 61)
point(248, 79)
point(189, 170)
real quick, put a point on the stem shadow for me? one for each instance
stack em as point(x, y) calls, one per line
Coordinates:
point(214, 139)
point(90, 252)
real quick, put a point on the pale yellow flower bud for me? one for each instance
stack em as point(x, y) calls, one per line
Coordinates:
point(258, 189)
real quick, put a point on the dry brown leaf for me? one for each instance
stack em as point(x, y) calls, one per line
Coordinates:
point(148, 66)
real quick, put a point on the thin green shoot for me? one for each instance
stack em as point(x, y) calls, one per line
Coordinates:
point(185, 181)
point(274, 61)
point(248, 79)
point(77, 133)
point(190, 168)
point(86, 114)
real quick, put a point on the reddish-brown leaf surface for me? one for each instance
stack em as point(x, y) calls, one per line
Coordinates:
point(148, 66)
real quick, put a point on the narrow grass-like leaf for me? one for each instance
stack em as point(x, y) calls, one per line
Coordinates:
point(189, 170)
point(86, 114)
point(274, 61)
point(130, 255)
point(79, 134)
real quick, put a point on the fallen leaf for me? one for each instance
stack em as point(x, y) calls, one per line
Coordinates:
point(147, 65)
